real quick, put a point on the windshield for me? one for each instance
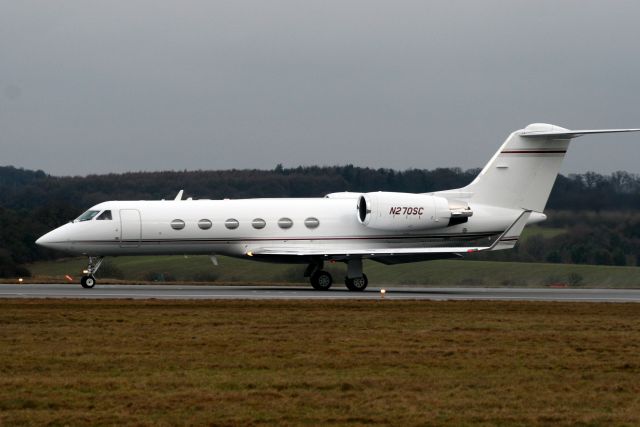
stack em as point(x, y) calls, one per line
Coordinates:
point(87, 216)
point(106, 215)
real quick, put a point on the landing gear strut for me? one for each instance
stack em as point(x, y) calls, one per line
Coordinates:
point(356, 280)
point(89, 280)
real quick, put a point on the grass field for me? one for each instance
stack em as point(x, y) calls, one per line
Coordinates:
point(436, 273)
point(319, 363)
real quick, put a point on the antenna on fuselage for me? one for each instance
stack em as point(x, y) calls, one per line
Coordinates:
point(179, 196)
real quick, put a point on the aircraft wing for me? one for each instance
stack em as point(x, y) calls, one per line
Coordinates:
point(506, 240)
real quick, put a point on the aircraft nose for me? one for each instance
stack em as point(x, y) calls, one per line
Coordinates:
point(45, 240)
point(55, 239)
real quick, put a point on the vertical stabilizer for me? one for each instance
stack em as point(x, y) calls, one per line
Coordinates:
point(522, 172)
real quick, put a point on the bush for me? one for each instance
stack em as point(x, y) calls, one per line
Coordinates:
point(575, 279)
point(552, 280)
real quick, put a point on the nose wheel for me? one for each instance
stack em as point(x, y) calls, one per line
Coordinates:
point(88, 281)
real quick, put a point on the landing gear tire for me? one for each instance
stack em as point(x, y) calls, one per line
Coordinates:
point(357, 284)
point(88, 282)
point(321, 280)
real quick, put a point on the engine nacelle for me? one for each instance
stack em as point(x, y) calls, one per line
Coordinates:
point(406, 211)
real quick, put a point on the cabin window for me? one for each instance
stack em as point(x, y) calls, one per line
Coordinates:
point(204, 224)
point(231, 223)
point(312, 222)
point(177, 224)
point(87, 216)
point(104, 216)
point(258, 223)
point(285, 223)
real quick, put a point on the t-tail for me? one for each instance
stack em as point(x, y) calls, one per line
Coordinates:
point(516, 183)
point(520, 175)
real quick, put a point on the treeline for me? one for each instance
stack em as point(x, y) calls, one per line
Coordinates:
point(32, 202)
point(580, 237)
point(21, 189)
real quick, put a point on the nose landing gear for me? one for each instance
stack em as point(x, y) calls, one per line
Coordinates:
point(89, 280)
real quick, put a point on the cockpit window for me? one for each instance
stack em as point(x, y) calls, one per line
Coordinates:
point(106, 215)
point(87, 216)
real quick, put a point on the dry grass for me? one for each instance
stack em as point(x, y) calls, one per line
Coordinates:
point(279, 362)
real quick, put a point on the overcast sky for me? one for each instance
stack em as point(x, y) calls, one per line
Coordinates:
point(113, 86)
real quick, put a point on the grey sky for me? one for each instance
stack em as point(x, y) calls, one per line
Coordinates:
point(94, 86)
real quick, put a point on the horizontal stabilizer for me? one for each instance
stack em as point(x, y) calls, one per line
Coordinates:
point(566, 134)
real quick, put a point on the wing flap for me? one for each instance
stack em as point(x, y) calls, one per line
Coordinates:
point(365, 253)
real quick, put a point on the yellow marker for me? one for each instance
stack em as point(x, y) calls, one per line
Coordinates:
point(249, 253)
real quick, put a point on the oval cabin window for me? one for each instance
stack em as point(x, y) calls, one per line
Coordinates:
point(285, 223)
point(258, 223)
point(231, 223)
point(204, 224)
point(312, 222)
point(177, 224)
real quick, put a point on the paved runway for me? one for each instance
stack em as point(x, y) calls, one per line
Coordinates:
point(307, 293)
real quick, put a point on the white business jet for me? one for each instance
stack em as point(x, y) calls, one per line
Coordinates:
point(489, 214)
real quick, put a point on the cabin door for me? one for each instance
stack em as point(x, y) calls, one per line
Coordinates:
point(130, 228)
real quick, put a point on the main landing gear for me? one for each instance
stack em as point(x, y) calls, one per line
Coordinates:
point(321, 280)
point(356, 280)
point(357, 284)
point(89, 280)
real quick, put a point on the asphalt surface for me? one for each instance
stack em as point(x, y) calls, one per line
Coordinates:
point(307, 293)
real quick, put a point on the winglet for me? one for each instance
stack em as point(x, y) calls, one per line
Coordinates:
point(179, 196)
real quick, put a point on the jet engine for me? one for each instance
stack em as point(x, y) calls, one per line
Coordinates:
point(405, 211)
